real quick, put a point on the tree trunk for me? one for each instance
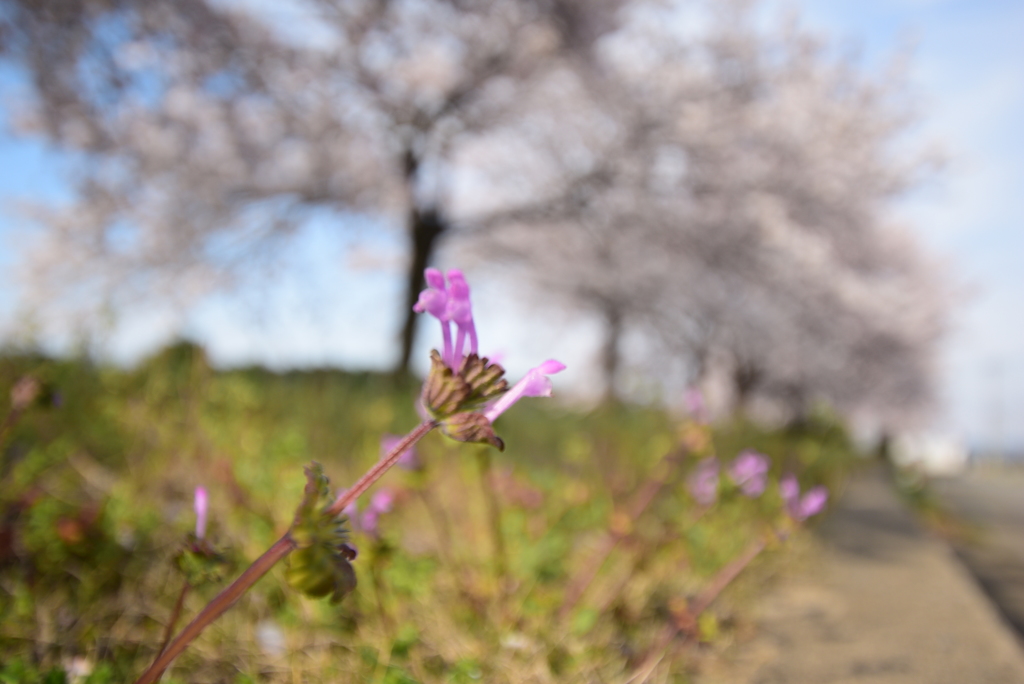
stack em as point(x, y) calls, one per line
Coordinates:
point(425, 227)
point(610, 352)
point(746, 378)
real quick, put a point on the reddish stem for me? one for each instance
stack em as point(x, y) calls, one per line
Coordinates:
point(175, 614)
point(224, 600)
point(382, 466)
point(687, 622)
point(262, 565)
point(725, 577)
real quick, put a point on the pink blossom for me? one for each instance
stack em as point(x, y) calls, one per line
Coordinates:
point(434, 300)
point(460, 312)
point(534, 384)
point(750, 472)
point(801, 508)
point(813, 502)
point(380, 503)
point(450, 303)
point(789, 488)
point(703, 482)
point(695, 405)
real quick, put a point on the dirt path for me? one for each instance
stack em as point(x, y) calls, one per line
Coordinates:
point(887, 604)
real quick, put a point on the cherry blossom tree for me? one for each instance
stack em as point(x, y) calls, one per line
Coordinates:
point(208, 134)
point(728, 194)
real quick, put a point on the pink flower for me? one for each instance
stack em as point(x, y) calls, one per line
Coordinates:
point(380, 503)
point(460, 311)
point(449, 304)
point(201, 508)
point(434, 300)
point(703, 482)
point(695, 405)
point(812, 503)
point(750, 472)
point(534, 384)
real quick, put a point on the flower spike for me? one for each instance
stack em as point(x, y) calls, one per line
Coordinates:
point(465, 392)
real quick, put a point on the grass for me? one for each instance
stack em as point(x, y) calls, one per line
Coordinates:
point(464, 582)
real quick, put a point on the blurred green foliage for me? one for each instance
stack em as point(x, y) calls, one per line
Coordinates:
point(96, 483)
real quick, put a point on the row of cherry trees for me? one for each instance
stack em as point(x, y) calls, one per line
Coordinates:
point(715, 184)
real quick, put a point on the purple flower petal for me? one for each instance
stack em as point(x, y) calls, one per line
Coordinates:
point(382, 501)
point(533, 384)
point(789, 488)
point(703, 482)
point(435, 301)
point(368, 522)
point(434, 278)
point(813, 502)
point(695, 405)
point(750, 472)
point(460, 311)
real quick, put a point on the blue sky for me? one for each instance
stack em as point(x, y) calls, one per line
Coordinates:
point(336, 306)
point(967, 70)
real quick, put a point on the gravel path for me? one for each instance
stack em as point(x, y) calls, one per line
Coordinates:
point(887, 604)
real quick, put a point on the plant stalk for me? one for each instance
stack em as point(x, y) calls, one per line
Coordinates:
point(215, 608)
point(175, 614)
point(381, 467)
point(262, 565)
point(687, 623)
point(494, 517)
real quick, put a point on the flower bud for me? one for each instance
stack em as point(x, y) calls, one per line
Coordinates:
point(447, 391)
point(320, 566)
point(471, 427)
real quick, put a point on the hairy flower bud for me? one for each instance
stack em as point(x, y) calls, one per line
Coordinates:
point(447, 392)
point(471, 427)
point(320, 566)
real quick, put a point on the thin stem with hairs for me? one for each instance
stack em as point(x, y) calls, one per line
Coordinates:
point(278, 551)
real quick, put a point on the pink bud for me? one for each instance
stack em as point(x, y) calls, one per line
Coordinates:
point(703, 482)
point(750, 472)
point(201, 508)
point(789, 488)
point(813, 502)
